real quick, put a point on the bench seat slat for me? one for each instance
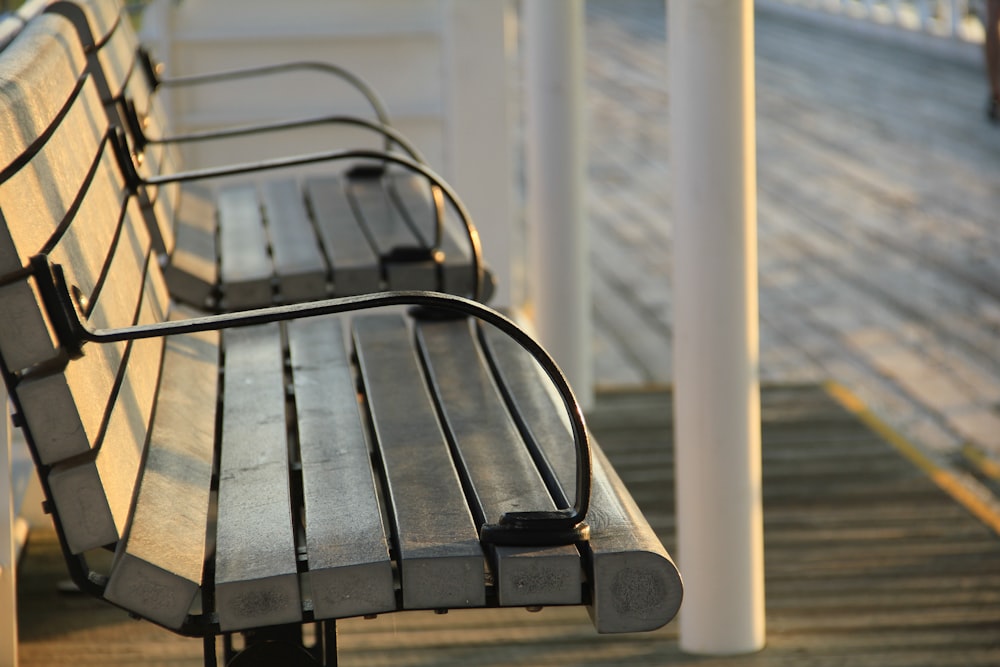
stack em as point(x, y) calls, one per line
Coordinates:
point(93, 497)
point(246, 267)
point(441, 562)
point(256, 576)
point(354, 264)
point(350, 572)
point(634, 583)
point(501, 472)
point(158, 566)
point(298, 264)
point(192, 271)
point(414, 200)
point(389, 230)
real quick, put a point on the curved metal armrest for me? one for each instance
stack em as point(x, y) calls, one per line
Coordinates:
point(391, 135)
point(154, 70)
point(440, 186)
point(562, 526)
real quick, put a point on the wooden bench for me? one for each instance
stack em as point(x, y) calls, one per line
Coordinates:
point(256, 471)
point(280, 239)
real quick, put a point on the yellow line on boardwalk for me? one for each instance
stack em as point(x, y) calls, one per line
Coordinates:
point(983, 463)
point(945, 479)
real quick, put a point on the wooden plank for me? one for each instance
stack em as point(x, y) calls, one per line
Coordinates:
point(192, 269)
point(256, 576)
point(82, 252)
point(388, 230)
point(497, 465)
point(38, 77)
point(92, 497)
point(634, 583)
point(440, 560)
point(65, 411)
point(245, 266)
point(350, 573)
point(354, 264)
point(413, 197)
point(158, 566)
point(298, 263)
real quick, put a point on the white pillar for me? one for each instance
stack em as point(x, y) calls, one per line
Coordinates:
point(717, 403)
point(478, 156)
point(555, 169)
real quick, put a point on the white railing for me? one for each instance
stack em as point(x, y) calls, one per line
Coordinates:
point(959, 20)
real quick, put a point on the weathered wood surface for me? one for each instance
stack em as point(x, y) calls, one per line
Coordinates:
point(877, 214)
point(867, 564)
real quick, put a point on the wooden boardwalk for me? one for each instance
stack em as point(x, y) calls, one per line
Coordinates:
point(868, 563)
point(878, 214)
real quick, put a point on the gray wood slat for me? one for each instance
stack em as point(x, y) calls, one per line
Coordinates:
point(35, 199)
point(389, 230)
point(502, 475)
point(298, 263)
point(158, 566)
point(192, 269)
point(440, 559)
point(634, 583)
point(256, 580)
point(350, 573)
point(414, 198)
point(66, 410)
point(245, 266)
point(353, 262)
point(92, 495)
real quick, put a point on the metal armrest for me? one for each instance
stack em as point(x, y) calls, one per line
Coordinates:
point(392, 136)
point(154, 70)
point(524, 528)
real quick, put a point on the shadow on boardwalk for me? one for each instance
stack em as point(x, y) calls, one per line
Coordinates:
point(878, 213)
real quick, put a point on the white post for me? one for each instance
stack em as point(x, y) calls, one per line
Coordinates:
point(717, 402)
point(478, 159)
point(8, 541)
point(555, 169)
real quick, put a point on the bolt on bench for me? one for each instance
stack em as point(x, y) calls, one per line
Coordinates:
point(279, 239)
point(255, 471)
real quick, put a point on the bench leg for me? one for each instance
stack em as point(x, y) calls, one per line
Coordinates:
point(282, 645)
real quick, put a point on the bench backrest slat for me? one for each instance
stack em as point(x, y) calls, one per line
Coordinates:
point(93, 495)
point(64, 196)
point(112, 48)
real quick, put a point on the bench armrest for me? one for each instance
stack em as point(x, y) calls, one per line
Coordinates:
point(439, 187)
point(392, 136)
point(523, 528)
point(154, 73)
